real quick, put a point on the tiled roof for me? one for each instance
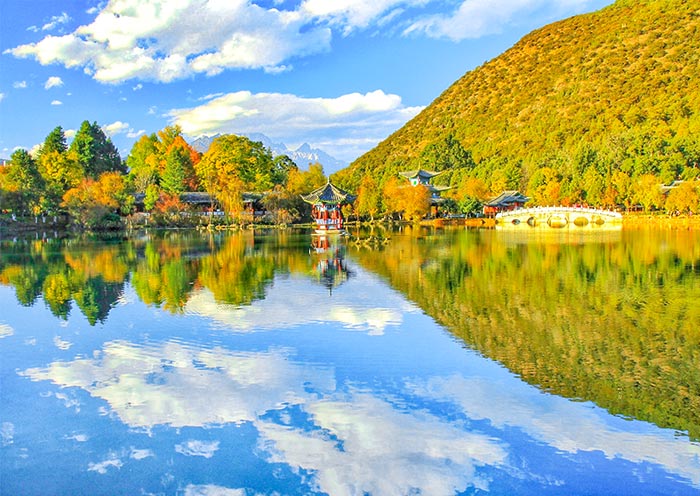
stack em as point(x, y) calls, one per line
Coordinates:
point(420, 173)
point(328, 194)
point(508, 198)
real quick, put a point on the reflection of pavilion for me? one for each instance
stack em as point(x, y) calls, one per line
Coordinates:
point(331, 268)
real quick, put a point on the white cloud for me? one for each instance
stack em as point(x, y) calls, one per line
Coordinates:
point(212, 490)
point(343, 124)
point(138, 87)
point(543, 417)
point(384, 450)
point(352, 310)
point(247, 384)
point(140, 454)
point(135, 134)
point(53, 82)
point(7, 433)
point(101, 467)
point(2, 96)
point(476, 18)
point(61, 344)
point(56, 21)
point(117, 127)
point(163, 40)
point(193, 447)
point(19, 85)
point(350, 15)
point(69, 133)
point(56, 103)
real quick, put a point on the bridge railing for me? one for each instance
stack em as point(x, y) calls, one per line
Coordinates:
point(557, 210)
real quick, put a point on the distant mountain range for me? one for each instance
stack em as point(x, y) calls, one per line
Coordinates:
point(302, 156)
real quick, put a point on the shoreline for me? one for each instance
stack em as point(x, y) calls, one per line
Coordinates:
point(633, 221)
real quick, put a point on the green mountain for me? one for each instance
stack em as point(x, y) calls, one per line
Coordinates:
point(568, 106)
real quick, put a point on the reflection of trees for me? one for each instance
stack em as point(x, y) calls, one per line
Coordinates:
point(163, 269)
point(163, 276)
point(612, 322)
point(239, 272)
point(63, 272)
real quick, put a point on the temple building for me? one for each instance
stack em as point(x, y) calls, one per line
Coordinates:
point(325, 203)
point(506, 201)
point(423, 178)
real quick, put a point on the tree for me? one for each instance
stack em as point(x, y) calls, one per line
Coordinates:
point(622, 185)
point(283, 165)
point(594, 186)
point(173, 178)
point(187, 157)
point(94, 151)
point(648, 192)
point(369, 198)
point(60, 173)
point(95, 202)
point(413, 202)
point(232, 165)
point(685, 198)
point(447, 154)
point(25, 182)
point(143, 163)
point(54, 142)
point(545, 186)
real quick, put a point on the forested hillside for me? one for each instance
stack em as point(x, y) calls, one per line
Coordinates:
point(586, 109)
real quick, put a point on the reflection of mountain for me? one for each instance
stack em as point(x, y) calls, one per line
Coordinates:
point(612, 322)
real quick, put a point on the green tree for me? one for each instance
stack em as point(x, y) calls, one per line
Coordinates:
point(447, 154)
point(173, 179)
point(143, 163)
point(23, 179)
point(54, 142)
point(94, 151)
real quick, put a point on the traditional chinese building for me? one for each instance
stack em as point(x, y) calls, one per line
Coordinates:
point(506, 201)
point(423, 177)
point(326, 202)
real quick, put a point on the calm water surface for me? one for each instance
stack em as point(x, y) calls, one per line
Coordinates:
point(439, 363)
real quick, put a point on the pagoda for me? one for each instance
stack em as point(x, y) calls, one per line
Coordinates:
point(326, 202)
point(422, 177)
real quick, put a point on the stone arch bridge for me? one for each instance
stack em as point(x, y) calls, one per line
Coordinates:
point(558, 217)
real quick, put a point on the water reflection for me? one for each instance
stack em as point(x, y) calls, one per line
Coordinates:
point(171, 383)
point(608, 317)
point(186, 385)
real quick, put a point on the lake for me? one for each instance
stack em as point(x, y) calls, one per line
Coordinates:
point(421, 361)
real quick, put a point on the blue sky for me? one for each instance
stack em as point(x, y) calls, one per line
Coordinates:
point(341, 75)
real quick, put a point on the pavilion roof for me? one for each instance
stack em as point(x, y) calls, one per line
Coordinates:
point(508, 198)
point(420, 173)
point(328, 194)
